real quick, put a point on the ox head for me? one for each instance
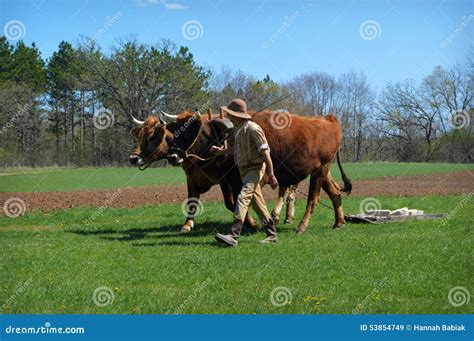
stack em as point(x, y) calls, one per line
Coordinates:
point(153, 139)
point(194, 135)
point(185, 132)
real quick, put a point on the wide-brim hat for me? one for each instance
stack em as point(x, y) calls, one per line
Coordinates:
point(237, 108)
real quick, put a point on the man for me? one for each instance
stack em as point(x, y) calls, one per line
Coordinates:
point(252, 157)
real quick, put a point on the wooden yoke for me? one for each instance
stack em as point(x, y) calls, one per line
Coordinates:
point(221, 113)
point(209, 113)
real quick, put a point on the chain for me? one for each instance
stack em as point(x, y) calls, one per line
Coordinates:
point(306, 195)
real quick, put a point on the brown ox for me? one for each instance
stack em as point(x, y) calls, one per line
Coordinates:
point(304, 146)
point(155, 136)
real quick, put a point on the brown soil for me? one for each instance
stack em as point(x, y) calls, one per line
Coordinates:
point(418, 185)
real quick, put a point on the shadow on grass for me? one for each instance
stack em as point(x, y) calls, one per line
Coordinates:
point(166, 235)
point(178, 243)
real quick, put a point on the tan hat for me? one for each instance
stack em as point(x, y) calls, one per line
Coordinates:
point(237, 108)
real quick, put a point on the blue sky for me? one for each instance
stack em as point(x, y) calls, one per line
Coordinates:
point(403, 38)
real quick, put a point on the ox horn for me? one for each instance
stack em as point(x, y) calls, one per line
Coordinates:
point(167, 117)
point(137, 122)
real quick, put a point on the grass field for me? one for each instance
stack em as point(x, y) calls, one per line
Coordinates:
point(55, 179)
point(74, 179)
point(150, 268)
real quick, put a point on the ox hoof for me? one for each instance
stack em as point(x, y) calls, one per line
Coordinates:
point(186, 229)
point(288, 220)
point(338, 226)
point(300, 230)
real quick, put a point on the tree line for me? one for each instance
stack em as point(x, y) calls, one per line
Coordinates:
point(74, 109)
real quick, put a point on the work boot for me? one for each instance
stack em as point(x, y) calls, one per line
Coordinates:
point(269, 239)
point(271, 231)
point(231, 239)
point(226, 239)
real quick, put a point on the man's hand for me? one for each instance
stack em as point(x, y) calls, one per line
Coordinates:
point(217, 149)
point(273, 181)
point(222, 150)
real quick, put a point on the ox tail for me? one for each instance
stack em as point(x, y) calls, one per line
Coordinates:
point(347, 182)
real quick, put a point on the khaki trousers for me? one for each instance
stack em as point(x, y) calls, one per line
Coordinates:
point(251, 194)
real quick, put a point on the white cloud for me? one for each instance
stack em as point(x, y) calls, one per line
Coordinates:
point(173, 6)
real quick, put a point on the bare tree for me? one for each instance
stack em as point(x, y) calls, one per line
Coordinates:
point(353, 104)
point(315, 92)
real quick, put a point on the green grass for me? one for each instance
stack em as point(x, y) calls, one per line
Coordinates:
point(394, 268)
point(72, 179)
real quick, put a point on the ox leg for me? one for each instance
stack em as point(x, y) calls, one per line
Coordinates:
point(192, 203)
point(333, 190)
point(228, 196)
point(313, 197)
point(290, 205)
point(282, 192)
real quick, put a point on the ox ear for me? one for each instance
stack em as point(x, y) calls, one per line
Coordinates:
point(197, 115)
point(223, 125)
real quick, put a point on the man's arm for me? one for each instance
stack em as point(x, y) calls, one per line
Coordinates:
point(260, 141)
point(269, 164)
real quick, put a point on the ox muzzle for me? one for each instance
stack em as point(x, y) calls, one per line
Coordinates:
point(175, 157)
point(136, 160)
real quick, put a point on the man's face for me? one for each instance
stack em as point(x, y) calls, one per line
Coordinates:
point(236, 121)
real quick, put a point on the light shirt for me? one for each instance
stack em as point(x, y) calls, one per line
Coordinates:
point(249, 142)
